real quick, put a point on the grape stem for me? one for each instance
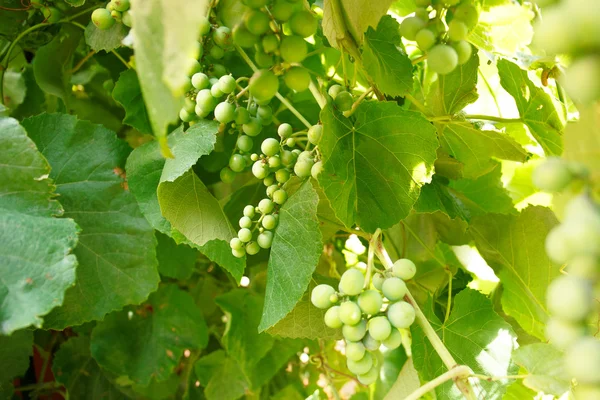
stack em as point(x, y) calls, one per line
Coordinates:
point(317, 95)
point(459, 372)
point(357, 102)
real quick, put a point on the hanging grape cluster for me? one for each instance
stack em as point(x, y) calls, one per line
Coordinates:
point(116, 11)
point(440, 29)
point(369, 318)
point(570, 298)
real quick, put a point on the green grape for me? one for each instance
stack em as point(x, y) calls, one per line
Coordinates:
point(249, 211)
point(236, 244)
point(264, 111)
point(553, 175)
point(227, 84)
point(266, 206)
point(370, 302)
point(457, 30)
point(425, 39)
point(102, 19)
point(194, 67)
point(237, 163)
point(305, 156)
point(570, 298)
point(243, 38)
point(302, 168)
point(256, 22)
point(269, 180)
point(271, 189)
point(361, 366)
point(380, 328)
point(319, 296)
point(185, 116)
point(334, 90)
point(303, 23)
point(410, 27)
point(263, 85)
point(442, 59)
point(378, 281)
point(582, 361)
point(204, 26)
point(282, 175)
point(244, 143)
point(274, 162)
point(252, 127)
point(582, 238)
point(217, 70)
point(238, 253)
point(315, 133)
point(121, 5)
point(252, 248)
point(352, 282)
point(215, 91)
point(557, 245)
point(260, 170)
point(189, 105)
point(284, 130)
point(265, 239)
point(222, 37)
point(282, 10)
point(404, 269)
point(293, 49)
point(291, 142)
point(227, 175)
point(52, 15)
point(216, 52)
point(255, 3)
point(297, 78)
point(205, 100)
point(270, 147)
point(401, 314)
point(332, 318)
point(263, 60)
point(468, 14)
point(582, 79)
point(394, 340)
point(270, 43)
point(269, 222)
point(370, 342)
point(581, 209)
point(394, 288)
point(200, 81)
point(585, 266)
point(369, 377)
point(463, 50)
point(280, 196)
point(242, 116)
point(356, 332)
point(343, 101)
point(288, 158)
point(316, 169)
point(422, 13)
point(350, 313)
point(245, 222)
point(200, 112)
point(245, 235)
point(225, 112)
point(355, 350)
point(563, 334)
point(126, 19)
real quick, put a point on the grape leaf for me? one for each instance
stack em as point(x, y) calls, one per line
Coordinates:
point(15, 89)
point(146, 342)
point(105, 39)
point(290, 392)
point(174, 260)
point(75, 369)
point(374, 167)
point(514, 247)
point(582, 141)
point(15, 351)
point(545, 365)
point(406, 383)
point(517, 391)
point(535, 107)
point(273, 361)
point(389, 67)
point(475, 336)
point(116, 249)
point(128, 93)
point(295, 252)
point(227, 382)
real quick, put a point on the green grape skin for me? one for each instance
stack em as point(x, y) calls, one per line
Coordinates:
point(252, 127)
point(269, 222)
point(401, 315)
point(189, 105)
point(126, 19)
point(249, 212)
point(557, 245)
point(237, 163)
point(343, 101)
point(380, 328)
point(252, 248)
point(227, 84)
point(315, 133)
point(422, 14)
point(266, 206)
point(291, 142)
point(582, 79)
point(303, 23)
point(332, 318)
point(319, 296)
point(271, 189)
point(351, 282)
point(442, 59)
point(361, 366)
point(216, 52)
point(215, 91)
point(217, 70)
point(225, 112)
point(305, 156)
point(242, 116)
point(282, 175)
point(410, 27)
point(287, 158)
point(293, 49)
point(316, 169)
point(244, 143)
point(562, 334)
point(243, 38)
point(354, 333)
point(270, 147)
point(394, 340)
point(121, 5)
point(282, 10)
point(194, 67)
point(303, 168)
point(201, 112)
point(264, 112)
point(245, 235)
point(245, 222)
point(404, 269)
point(265, 239)
point(280, 196)
point(582, 361)
point(200, 81)
point(334, 90)
point(378, 281)
point(350, 313)
point(185, 116)
point(204, 26)
point(101, 18)
point(205, 100)
point(581, 209)
point(236, 244)
point(270, 43)
point(263, 60)
point(457, 30)
point(255, 3)
point(238, 253)
point(370, 342)
point(468, 14)
point(256, 22)
point(394, 288)
point(260, 170)
point(425, 39)
point(463, 50)
point(585, 266)
point(222, 37)
point(227, 175)
point(274, 162)
point(297, 78)
point(369, 377)
point(370, 302)
point(263, 85)
point(355, 350)
point(284, 131)
point(583, 238)
point(570, 298)
point(553, 175)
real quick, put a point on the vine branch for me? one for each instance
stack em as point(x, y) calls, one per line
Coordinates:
point(460, 372)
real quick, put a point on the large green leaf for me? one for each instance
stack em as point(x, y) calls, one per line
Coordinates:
point(535, 107)
point(15, 351)
point(475, 336)
point(374, 167)
point(406, 383)
point(222, 376)
point(389, 66)
point(165, 42)
point(174, 260)
point(128, 93)
point(105, 39)
point(295, 253)
point(514, 247)
point(546, 368)
point(146, 342)
point(117, 259)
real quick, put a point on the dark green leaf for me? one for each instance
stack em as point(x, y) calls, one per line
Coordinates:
point(174, 260)
point(15, 351)
point(128, 93)
point(107, 39)
point(227, 382)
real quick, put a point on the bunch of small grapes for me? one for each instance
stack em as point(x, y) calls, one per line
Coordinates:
point(342, 99)
point(570, 298)
point(116, 11)
point(443, 39)
point(368, 317)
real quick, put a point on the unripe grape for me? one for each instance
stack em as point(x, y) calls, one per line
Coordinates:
point(291, 142)
point(244, 143)
point(442, 59)
point(423, 14)
point(394, 288)
point(404, 269)
point(334, 90)
point(205, 100)
point(351, 282)
point(585, 266)
point(200, 81)
point(319, 296)
point(126, 19)
point(557, 246)
point(249, 211)
point(553, 175)
point(101, 18)
point(263, 85)
point(343, 101)
point(194, 67)
point(271, 189)
point(204, 26)
point(361, 366)
point(394, 340)
point(293, 49)
point(378, 281)
point(270, 43)
point(227, 84)
point(255, 3)
point(315, 133)
point(265, 239)
point(354, 333)
point(225, 112)
point(227, 175)
point(380, 328)
point(263, 60)
point(264, 112)
point(252, 127)
point(582, 361)
point(401, 314)
point(242, 116)
point(245, 235)
point(217, 70)
point(243, 38)
point(288, 158)
point(425, 39)
point(468, 14)
point(411, 26)
point(463, 50)
point(236, 243)
point(238, 253)
point(260, 170)
point(270, 147)
point(297, 78)
point(252, 248)
point(582, 210)
point(457, 30)
point(355, 350)
point(583, 238)
point(266, 206)
point(256, 22)
point(215, 91)
point(370, 342)
point(269, 222)
point(369, 377)
point(570, 298)
point(222, 37)
point(121, 5)
point(216, 52)
point(285, 130)
point(282, 175)
point(237, 163)
point(563, 334)
point(245, 222)
point(334, 298)
point(303, 23)
point(370, 302)
point(316, 169)
point(350, 313)
point(282, 10)
point(280, 196)
point(274, 162)
point(302, 168)
point(332, 318)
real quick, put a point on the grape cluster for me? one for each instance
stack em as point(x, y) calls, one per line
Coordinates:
point(441, 32)
point(570, 298)
point(116, 11)
point(368, 317)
